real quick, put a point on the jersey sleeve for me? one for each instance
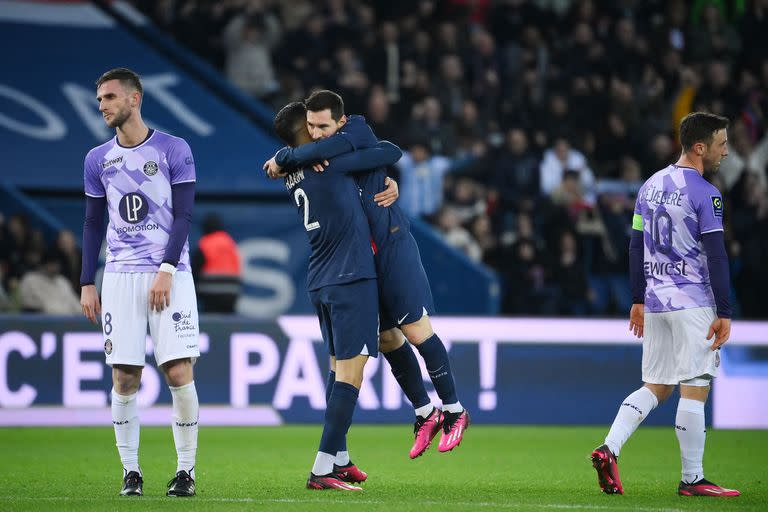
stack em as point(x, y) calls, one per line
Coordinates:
point(358, 133)
point(637, 217)
point(313, 152)
point(93, 184)
point(709, 208)
point(180, 163)
point(385, 153)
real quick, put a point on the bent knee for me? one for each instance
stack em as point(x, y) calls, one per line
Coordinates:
point(390, 341)
point(419, 331)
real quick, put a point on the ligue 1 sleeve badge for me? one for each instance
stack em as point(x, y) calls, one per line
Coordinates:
point(108, 347)
point(150, 168)
point(717, 206)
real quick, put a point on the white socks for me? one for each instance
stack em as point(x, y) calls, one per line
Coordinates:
point(342, 458)
point(125, 419)
point(424, 410)
point(453, 408)
point(691, 434)
point(323, 463)
point(635, 408)
point(186, 410)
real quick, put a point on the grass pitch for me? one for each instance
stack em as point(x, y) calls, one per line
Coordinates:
point(495, 468)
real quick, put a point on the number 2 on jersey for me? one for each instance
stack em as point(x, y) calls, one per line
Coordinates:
point(662, 238)
point(299, 195)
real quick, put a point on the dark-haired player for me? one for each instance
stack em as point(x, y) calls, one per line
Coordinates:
point(680, 288)
point(341, 281)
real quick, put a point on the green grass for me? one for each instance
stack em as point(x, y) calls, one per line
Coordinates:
point(496, 468)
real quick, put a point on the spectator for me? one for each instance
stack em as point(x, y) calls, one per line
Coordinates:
point(421, 180)
point(455, 235)
point(568, 273)
point(217, 268)
point(561, 158)
point(249, 38)
point(70, 258)
point(47, 291)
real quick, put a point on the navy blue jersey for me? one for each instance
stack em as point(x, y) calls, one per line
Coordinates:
point(329, 206)
point(386, 224)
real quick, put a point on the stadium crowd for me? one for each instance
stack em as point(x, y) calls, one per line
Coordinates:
point(527, 126)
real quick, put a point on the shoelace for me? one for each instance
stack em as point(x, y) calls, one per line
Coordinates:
point(181, 476)
point(132, 478)
point(449, 418)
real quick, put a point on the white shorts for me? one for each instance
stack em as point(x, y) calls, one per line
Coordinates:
point(675, 346)
point(125, 314)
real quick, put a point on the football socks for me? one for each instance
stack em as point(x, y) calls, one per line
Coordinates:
point(634, 409)
point(125, 419)
point(691, 434)
point(185, 415)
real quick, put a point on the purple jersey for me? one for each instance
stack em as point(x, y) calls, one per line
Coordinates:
point(137, 184)
point(674, 208)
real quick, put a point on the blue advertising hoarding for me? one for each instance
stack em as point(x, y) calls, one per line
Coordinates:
point(508, 371)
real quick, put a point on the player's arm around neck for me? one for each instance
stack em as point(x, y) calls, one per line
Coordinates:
point(305, 154)
point(385, 153)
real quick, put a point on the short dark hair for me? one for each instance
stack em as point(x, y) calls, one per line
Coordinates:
point(126, 76)
point(700, 127)
point(289, 120)
point(325, 99)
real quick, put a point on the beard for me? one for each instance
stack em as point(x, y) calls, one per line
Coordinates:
point(118, 118)
point(710, 166)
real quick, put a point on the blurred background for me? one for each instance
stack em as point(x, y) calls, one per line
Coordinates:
point(527, 128)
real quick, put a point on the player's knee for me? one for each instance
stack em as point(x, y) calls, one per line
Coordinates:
point(390, 340)
point(178, 372)
point(351, 370)
point(126, 379)
point(695, 389)
point(661, 391)
point(418, 332)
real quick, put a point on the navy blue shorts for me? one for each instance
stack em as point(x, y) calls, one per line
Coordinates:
point(404, 292)
point(349, 318)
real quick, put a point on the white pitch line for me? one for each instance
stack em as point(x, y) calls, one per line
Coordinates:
point(468, 504)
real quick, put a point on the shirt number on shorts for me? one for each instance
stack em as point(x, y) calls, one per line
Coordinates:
point(661, 225)
point(107, 323)
point(299, 195)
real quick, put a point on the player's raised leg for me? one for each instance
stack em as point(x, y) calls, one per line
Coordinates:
point(405, 368)
point(455, 419)
point(632, 411)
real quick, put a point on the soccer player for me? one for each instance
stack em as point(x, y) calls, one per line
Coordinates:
point(146, 179)
point(680, 288)
point(342, 285)
point(405, 295)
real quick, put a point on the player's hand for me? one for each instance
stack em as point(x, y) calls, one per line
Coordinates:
point(721, 327)
point(274, 171)
point(389, 195)
point(637, 319)
point(89, 301)
point(320, 166)
point(160, 292)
